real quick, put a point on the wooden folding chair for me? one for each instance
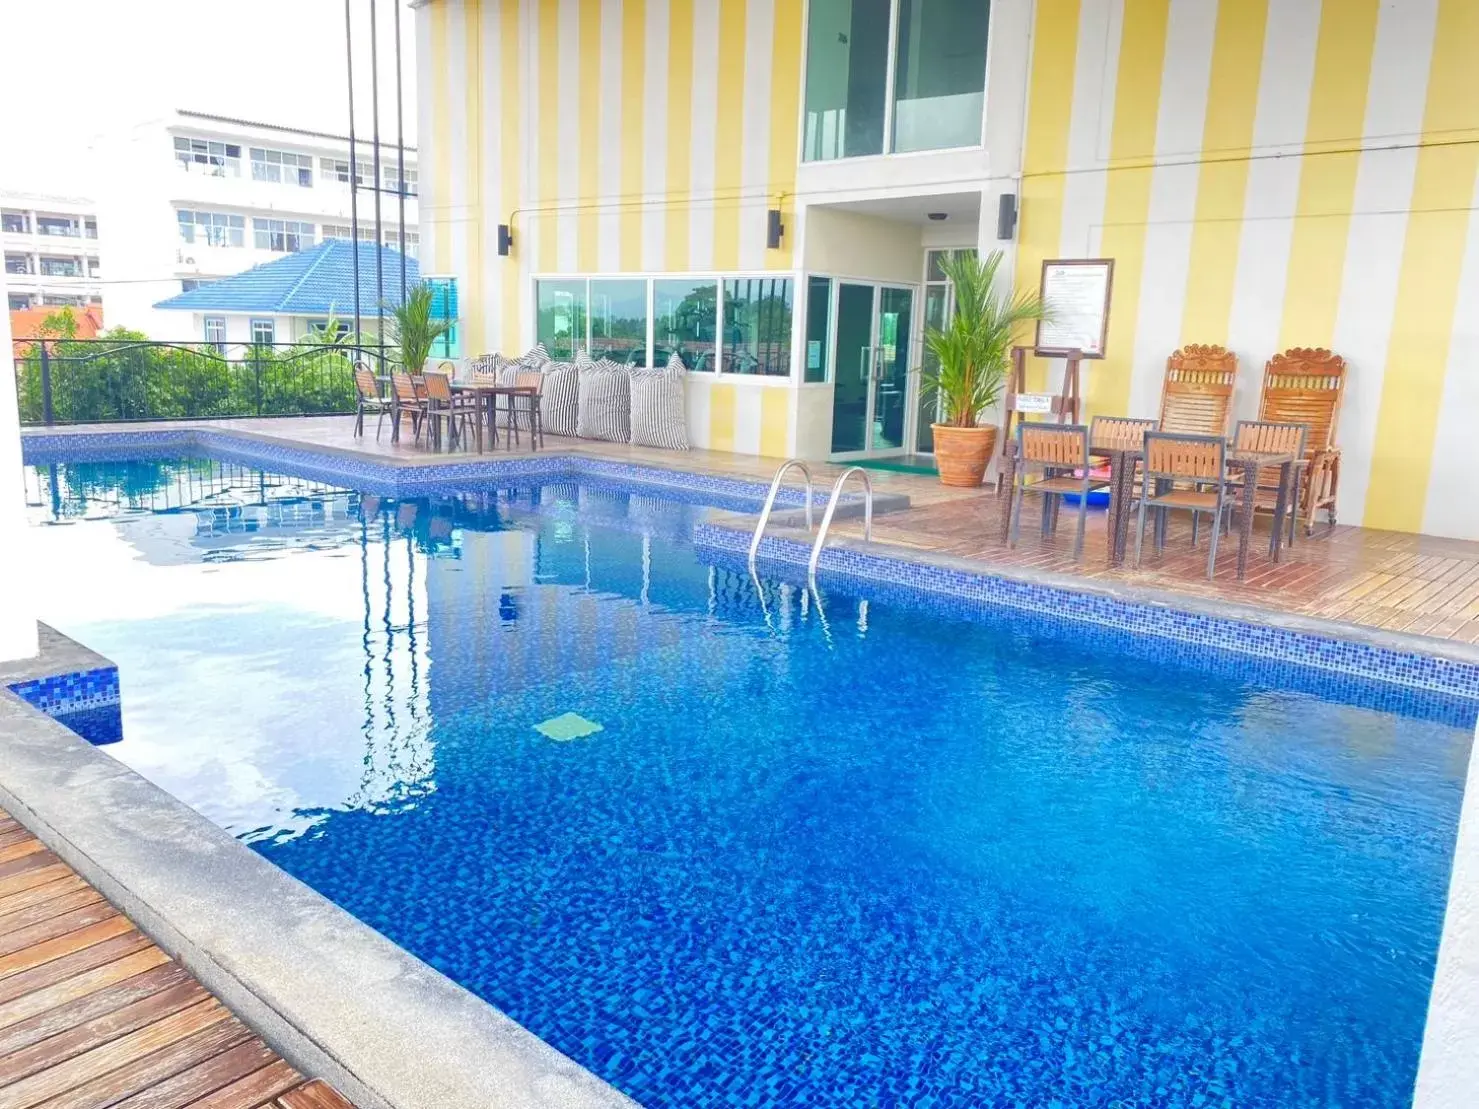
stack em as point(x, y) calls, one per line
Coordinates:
point(1305, 386)
point(1197, 395)
point(368, 399)
point(1059, 455)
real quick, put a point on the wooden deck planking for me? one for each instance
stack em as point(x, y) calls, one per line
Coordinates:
point(95, 1016)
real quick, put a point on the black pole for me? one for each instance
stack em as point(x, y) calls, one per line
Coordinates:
point(400, 148)
point(375, 138)
point(353, 170)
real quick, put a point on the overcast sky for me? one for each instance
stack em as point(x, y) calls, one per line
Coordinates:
point(69, 71)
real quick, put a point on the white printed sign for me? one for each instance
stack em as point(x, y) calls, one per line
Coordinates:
point(1075, 293)
point(1035, 403)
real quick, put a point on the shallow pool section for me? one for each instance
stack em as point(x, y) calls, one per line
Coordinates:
point(725, 847)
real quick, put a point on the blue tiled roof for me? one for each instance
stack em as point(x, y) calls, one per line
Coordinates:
point(307, 283)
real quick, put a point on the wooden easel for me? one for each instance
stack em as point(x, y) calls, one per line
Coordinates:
point(1065, 406)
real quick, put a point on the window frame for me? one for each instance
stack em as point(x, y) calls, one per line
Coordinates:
point(303, 229)
point(257, 323)
point(207, 324)
point(299, 162)
point(203, 232)
point(890, 96)
point(719, 277)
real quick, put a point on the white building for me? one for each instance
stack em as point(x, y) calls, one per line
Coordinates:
point(191, 198)
point(51, 250)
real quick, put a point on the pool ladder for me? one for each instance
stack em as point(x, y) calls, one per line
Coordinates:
point(821, 539)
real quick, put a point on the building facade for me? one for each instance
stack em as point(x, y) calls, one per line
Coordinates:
point(1264, 173)
point(192, 198)
point(51, 251)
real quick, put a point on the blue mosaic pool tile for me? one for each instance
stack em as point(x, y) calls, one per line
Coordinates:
point(1190, 630)
point(86, 701)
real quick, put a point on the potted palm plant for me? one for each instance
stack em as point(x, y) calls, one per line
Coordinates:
point(971, 355)
point(414, 330)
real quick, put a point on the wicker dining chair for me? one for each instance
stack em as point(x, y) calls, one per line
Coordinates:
point(410, 401)
point(1058, 454)
point(1197, 394)
point(1187, 472)
point(368, 398)
point(1305, 386)
point(1260, 435)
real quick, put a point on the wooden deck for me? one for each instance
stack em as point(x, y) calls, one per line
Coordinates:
point(93, 1015)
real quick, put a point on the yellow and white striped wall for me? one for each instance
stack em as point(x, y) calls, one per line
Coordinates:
point(1277, 173)
point(613, 136)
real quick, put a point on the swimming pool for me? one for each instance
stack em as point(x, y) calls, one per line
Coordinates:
point(891, 857)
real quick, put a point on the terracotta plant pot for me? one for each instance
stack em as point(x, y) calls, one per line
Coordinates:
point(963, 453)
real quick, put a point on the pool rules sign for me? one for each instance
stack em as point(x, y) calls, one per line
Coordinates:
point(1076, 293)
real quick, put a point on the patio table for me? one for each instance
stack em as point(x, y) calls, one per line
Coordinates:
point(1123, 459)
point(487, 394)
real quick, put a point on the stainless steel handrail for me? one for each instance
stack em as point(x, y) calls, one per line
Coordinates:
point(816, 549)
point(775, 487)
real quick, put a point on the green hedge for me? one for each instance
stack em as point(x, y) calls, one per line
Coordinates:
point(121, 376)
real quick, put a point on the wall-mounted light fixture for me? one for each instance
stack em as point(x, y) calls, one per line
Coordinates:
point(1006, 216)
point(505, 240)
point(774, 229)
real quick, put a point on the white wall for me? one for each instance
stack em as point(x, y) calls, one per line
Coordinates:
point(844, 244)
point(17, 605)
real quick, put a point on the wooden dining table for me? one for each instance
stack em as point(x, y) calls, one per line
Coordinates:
point(1123, 459)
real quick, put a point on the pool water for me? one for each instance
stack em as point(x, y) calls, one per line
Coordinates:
point(882, 858)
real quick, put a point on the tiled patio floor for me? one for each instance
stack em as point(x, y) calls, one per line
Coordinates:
point(1416, 584)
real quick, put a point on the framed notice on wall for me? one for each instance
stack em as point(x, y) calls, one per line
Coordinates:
point(1076, 292)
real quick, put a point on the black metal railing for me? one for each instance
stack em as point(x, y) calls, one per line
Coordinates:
point(72, 381)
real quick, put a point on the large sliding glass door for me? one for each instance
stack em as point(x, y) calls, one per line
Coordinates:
point(871, 376)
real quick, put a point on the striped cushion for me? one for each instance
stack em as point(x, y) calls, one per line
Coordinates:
point(583, 358)
point(605, 411)
point(559, 402)
point(535, 356)
point(659, 416)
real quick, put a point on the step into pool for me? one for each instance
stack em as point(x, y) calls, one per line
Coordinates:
point(725, 846)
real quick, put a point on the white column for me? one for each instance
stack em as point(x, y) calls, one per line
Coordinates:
point(17, 606)
point(1448, 1075)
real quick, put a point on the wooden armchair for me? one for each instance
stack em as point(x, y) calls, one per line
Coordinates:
point(1304, 386)
point(1196, 398)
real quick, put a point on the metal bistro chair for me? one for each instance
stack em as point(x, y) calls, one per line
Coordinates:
point(1274, 438)
point(368, 399)
point(1060, 454)
point(524, 406)
point(1198, 464)
point(409, 400)
point(445, 405)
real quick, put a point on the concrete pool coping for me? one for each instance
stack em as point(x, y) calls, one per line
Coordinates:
point(331, 995)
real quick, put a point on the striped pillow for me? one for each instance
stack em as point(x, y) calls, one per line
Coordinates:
point(659, 414)
point(605, 407)
point(583, 358)
point(535, 357)
point(559, 401)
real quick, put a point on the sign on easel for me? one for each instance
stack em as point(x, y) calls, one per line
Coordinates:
point(1076, 292)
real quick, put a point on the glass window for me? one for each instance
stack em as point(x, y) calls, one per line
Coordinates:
point(216, 159)
point(90, 228)
point(757, 326)
point(619, 321)
point(684, 312)
point(846, 78)
point(61, 267)
point(444, 307)
point(818, 328)
point(262, 331)
point(939, 74)
point(58, 225)
point(387, 172)
point(282, 235)
point(282, 166)
point(212, 228)
point(393, 240)
point(560, 317)
point(19, 302)
point(18, 263)
point(16, 222)
point(215, 331)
